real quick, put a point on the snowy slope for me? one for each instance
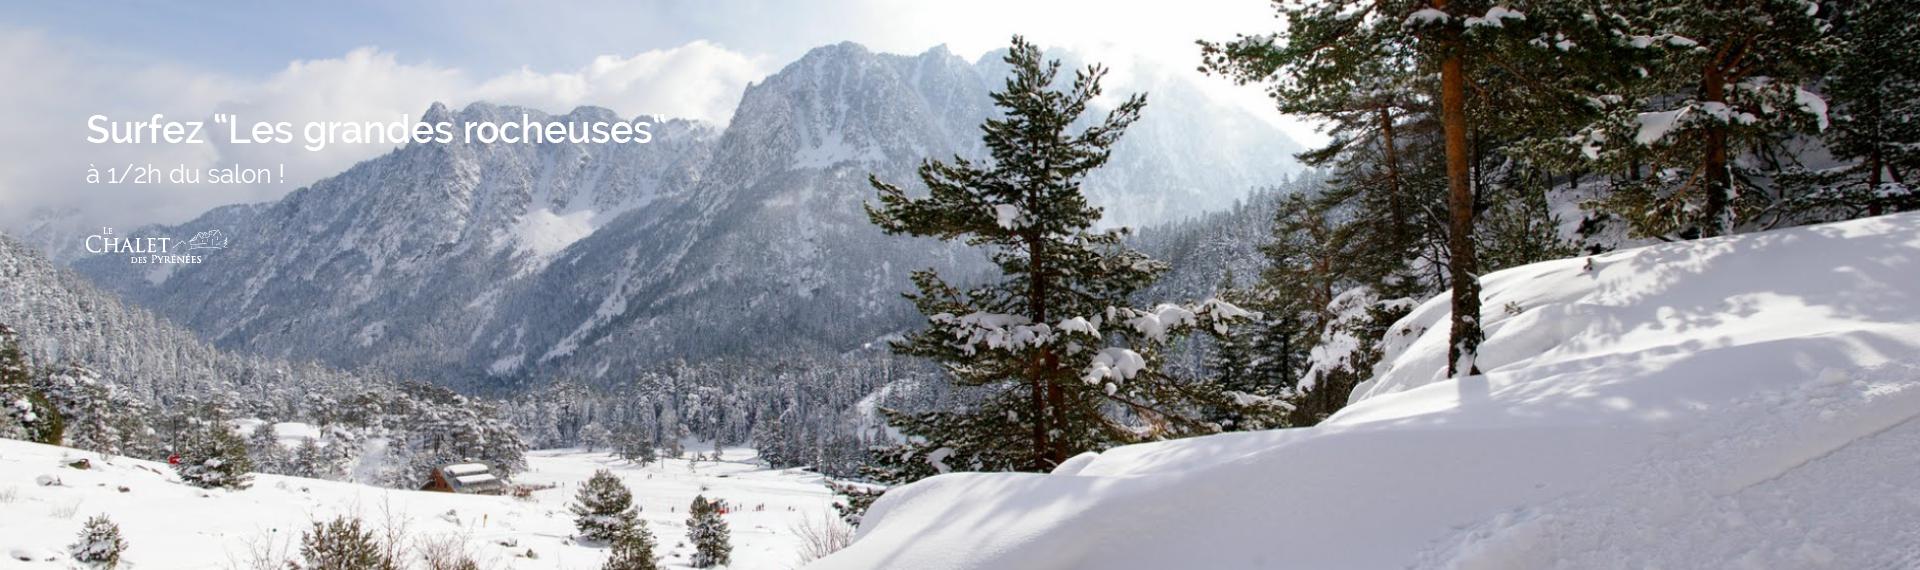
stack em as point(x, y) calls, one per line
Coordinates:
point(169, 525)
point(1744, 402)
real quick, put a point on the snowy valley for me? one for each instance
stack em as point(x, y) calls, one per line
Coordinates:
point(1565, 285)
point(168, 524)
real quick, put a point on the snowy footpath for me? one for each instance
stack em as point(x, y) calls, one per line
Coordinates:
point(1743, 402)
point(169, 525)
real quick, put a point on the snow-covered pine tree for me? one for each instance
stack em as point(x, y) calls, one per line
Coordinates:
point(1402, 81)
point(445, 428)
point(632, 446)
point(632, 550)
point(214, 456)
point(852, 500)
point(1875, 91)
point(325, 457)
point(1039, 340)
point(603, 508)
point(774, 443)
point(1239, 366)
point(99, 544)
point(25, 413)
point(342, 544)
point(308, 460)
point(263, 447)
point(595, 436)
point(707, 530)
point(1231, 359)
point(97, 415)
point(1713, 82)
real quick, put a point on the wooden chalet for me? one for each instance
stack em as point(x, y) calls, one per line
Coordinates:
point(466, 479)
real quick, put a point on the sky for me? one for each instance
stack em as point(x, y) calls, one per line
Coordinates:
point(365, 60)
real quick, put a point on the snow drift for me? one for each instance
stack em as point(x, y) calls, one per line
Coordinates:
point(1741, 402)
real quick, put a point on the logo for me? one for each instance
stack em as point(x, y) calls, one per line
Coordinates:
point(210, 239)
point(156, 249)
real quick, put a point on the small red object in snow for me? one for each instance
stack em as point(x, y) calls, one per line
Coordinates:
point(173, 459)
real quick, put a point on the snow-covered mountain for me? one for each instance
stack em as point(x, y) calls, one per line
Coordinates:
point(1737, 402)
point(473, 262)
point(61, 318)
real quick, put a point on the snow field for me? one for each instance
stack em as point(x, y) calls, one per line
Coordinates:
point(171, 525)
point(1742, 402)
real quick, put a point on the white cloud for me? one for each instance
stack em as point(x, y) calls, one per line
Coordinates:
point(699, 80)
point(1154, 36)
point(59, 85)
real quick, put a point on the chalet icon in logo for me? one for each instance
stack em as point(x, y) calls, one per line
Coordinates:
point(210, 239)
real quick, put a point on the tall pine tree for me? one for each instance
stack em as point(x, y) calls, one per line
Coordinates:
point(712, 541)
point(1037, 340)
point(1428, 101)
point(1713, 82)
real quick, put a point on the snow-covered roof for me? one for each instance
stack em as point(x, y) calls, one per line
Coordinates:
point(465, 469)
point(475, 479)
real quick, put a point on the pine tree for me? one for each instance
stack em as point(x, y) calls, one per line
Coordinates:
point(263, 447)
point(1038, 340)
point(632, 446)
point(853, 500)
point(595, 436)
point(214, 456)
point(1463, 344)
point(99, 544)
point(707, 530)
point(603, 508)
point(1376, 70)
point(97, 415)
point(342, 545)
point(24, 412)
point(632, 550)
point(309, 460)
point(447, 428)
point(772, 441)
point(1308, 263)
point(1714, 81)
point(1231, 359)
point(1875, 91)
point(325, 457)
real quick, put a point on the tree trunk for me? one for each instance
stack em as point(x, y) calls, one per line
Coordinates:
point(1396, 200)
point(1040, 373)
point(1465, 334)
point(1873, 180)
point(1717, 180)
point(1057, 405)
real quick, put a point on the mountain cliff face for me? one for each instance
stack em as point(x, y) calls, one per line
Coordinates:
point(492, 264)
point(383, 264)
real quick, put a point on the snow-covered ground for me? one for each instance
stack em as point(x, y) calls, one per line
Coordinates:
point(170, 525)
point(1745, 402)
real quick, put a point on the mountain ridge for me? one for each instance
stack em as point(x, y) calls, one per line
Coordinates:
point(481, 264)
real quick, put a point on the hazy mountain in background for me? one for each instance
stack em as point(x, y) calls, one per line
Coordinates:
point(63, 319)
point(495, 263)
